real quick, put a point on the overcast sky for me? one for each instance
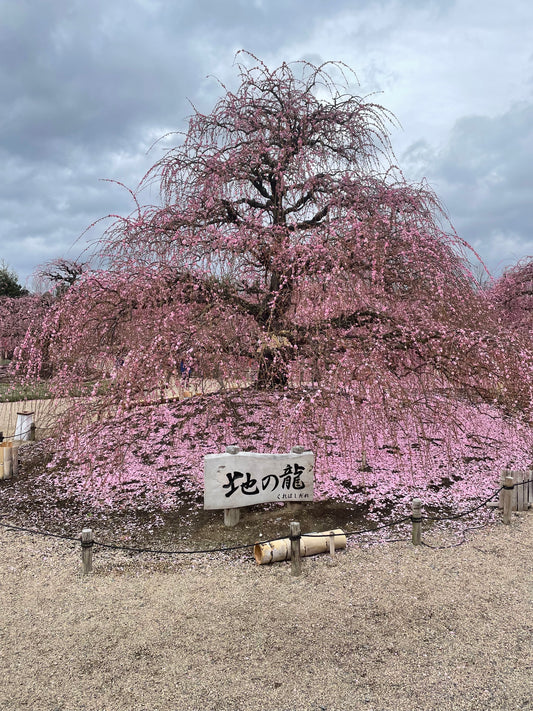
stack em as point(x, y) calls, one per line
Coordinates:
point(87, 87)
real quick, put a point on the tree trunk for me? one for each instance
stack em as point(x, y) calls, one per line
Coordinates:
point(273, 368)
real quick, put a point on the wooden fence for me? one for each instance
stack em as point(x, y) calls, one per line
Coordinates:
point(522, 492)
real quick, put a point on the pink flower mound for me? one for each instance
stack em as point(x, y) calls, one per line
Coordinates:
point(152, 457)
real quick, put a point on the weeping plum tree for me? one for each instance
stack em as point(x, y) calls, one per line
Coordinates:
point(286, 240)
point(287, 255)
point(18, 308)
point(512, 294)
point(17, 313)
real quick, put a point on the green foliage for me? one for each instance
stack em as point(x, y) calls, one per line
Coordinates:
point(9, 284)
point(16, 393)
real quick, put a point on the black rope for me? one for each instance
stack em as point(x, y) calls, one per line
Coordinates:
point(20, 436)
point(453, 545)
point(88, 544)
point(360, 532)
point(464, 513)
point(39, 533)
point(417, 519)
point(132, 549)
point(184, 552)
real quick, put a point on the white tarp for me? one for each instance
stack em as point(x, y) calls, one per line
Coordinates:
point(23, 426)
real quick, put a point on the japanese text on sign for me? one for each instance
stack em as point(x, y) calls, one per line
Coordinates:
point(246, 478)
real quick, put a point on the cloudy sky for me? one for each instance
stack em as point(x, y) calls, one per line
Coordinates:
point(87, 87)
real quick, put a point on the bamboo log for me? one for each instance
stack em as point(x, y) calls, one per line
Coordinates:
point(280, 549)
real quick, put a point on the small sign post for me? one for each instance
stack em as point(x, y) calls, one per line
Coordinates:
point(235, 480)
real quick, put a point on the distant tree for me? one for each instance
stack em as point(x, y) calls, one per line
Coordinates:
point(512, 294)
point(288, 253)
point(17, 315)
point(9, 284)
point(62, 274)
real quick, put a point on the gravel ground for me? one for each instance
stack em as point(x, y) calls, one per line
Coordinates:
point(388, 627)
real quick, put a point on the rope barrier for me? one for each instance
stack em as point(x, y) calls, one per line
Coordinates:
point(39, 533)
point(523, 483)
point(464, 513)
point(361, 531)
point(113, 546)
point(183, 552)
point(453, 545)
point(20, 436)
point(226, 549)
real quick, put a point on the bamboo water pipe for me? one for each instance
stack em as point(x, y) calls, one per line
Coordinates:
point(278, 550)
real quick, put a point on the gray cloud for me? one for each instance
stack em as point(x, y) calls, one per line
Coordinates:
point(483, 174)
point(87, 88)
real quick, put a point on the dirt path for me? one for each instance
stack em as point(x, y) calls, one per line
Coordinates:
point(385, 628)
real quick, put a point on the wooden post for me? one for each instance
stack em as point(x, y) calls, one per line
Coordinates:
point(8, 462)
point(295, 535)
point(502, 483)
point(23, 428)
point(516, 501)
point(86, 551)
point(232, 516)
point(416, 519)
point(508, 487)
point(15, 460)
point(233, 449)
